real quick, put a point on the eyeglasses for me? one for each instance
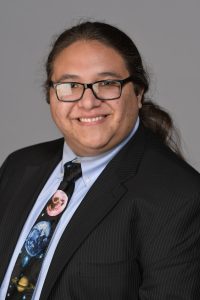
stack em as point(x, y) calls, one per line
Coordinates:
point(102, 89)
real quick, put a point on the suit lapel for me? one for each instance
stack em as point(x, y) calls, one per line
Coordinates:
point(99, 201)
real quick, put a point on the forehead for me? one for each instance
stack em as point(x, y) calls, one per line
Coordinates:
point(84, 58)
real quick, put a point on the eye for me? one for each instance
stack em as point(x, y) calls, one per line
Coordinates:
point(73, 85)
point(108, 83)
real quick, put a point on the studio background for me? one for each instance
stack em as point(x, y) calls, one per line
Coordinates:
point(165, 32)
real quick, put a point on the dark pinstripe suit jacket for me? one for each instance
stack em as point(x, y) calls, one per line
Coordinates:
point(136, 235)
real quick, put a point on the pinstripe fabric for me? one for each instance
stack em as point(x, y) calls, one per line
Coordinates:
point(136, 234)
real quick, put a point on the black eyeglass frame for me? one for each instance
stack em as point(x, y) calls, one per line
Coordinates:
point(90, 86)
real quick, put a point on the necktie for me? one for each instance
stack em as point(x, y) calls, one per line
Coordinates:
point(29, 262)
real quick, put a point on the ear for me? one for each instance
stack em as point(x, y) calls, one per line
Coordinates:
point(140, 98)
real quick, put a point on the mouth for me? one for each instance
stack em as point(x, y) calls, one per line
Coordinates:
point(90, 120)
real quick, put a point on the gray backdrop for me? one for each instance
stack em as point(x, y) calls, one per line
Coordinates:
point(165, 31)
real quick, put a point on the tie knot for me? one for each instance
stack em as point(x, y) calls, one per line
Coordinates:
point(72, 171)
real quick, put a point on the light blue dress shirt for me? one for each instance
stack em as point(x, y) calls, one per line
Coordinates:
point(91, 169)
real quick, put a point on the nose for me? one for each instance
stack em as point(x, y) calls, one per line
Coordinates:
point(88, 100)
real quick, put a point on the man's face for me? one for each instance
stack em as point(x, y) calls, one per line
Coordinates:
point(91, 126)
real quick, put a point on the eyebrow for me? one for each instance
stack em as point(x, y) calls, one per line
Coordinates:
point(67, 76)
point(101, 74)
point(110, 74)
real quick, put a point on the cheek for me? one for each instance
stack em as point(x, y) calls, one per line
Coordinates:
point(130, 114)
point(54, 111)
point(56, 106)
point(59, 110)
point(126, 110)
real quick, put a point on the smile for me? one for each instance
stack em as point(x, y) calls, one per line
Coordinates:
point(91, 120)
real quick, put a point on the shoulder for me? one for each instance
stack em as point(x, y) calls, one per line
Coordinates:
point(152, 163)
point(167, 167)
point(36, 153)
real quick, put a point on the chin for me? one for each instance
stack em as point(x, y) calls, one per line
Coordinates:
point(89, 149)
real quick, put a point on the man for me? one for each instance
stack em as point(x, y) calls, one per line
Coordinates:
point(131, 227)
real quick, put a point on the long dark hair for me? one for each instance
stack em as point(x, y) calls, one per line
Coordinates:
point(152, 116)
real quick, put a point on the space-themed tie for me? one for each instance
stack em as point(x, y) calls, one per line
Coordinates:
point(29, 262)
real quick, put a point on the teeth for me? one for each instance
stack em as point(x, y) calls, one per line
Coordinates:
point(88, 120)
